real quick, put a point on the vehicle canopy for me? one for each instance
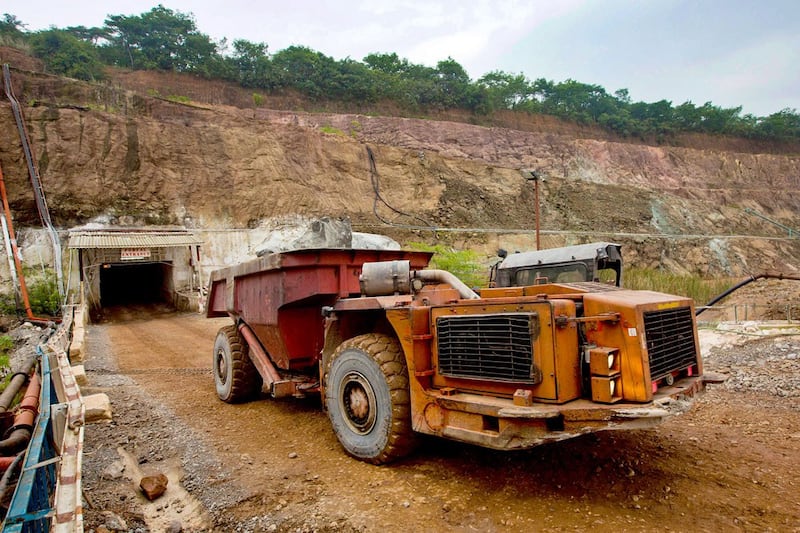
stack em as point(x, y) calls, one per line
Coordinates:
point(582, 262)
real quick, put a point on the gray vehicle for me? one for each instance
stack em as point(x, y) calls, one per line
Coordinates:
point(597, 261)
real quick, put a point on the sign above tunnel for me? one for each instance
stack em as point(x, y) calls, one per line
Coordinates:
point(134, 254)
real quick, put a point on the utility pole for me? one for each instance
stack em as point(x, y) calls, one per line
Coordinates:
point(535, 177)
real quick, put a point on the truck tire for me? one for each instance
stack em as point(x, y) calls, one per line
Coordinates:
point(235, 377)
point(367, 398)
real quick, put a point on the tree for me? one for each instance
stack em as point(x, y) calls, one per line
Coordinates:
point(387, 63)
point(65, 54)
point(92, 35)
point(452, 84)
point(303, 69)
point(507, 91)
point(159, 39)
point(252, 64)
point(785, 124)
point(11, 27)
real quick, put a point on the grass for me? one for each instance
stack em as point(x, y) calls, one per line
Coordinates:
point(692, 286)
point(463, 263)
point(331, 130)
point(179, 99)
point(6, 345)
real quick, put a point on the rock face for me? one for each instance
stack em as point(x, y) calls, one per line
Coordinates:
point(134, 159)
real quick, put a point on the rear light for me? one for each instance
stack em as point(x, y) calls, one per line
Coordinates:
point(604, 361)
point(604, 364)
point(606, 389)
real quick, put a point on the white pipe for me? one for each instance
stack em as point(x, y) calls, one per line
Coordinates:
point(9, 251)
point(444, 276)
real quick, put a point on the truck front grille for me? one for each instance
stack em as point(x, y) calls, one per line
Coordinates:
point(491, 347)
point(670, 341)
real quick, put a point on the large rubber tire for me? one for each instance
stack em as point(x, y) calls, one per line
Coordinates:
point(367, 399)
point(235, 377)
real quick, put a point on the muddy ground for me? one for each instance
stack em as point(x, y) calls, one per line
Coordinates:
point(731, 463)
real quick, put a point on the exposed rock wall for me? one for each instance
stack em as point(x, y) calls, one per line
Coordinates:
point(134, 159)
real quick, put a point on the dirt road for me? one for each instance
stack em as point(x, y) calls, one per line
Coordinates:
point(729, 464)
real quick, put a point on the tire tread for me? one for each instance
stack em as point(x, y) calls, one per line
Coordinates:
point(388, 355)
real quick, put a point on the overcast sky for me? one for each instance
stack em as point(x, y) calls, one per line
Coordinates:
point(729, 52)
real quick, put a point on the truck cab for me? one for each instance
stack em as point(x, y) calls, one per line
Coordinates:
point(597, 261)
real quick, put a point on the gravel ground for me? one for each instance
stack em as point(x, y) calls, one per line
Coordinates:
point(758, 358)
point(151, 433)
point(265, 466)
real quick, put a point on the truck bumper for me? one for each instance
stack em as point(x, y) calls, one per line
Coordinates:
point(498, 423)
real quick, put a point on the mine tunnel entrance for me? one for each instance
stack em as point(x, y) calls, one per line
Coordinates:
point(141, 270)
point(140, 283)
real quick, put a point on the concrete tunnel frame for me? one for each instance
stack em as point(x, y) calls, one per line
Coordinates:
point(137, 265)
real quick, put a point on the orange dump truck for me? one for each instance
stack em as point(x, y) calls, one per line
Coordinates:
point(396, 350)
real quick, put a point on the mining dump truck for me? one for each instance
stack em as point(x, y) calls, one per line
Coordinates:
point(395, 350)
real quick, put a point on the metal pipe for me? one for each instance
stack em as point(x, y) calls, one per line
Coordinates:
point(444, 276)
point(5, 481)
point(5, 462)
point(259, 356)
point(763, 275)
point(23, 288)
point(10, 254)
point(36, 182)
point(20, 433)
point(536, 194)
point(16, 383)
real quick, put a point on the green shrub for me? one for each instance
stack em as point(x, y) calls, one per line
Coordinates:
point(463, 263)
point(258, 99)
point(331, 130)
point(179, 99)
point(8, 306)
point(44, 297)
point(6, 345)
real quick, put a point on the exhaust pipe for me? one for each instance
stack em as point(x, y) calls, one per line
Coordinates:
point(443, 276)
point(384, 278)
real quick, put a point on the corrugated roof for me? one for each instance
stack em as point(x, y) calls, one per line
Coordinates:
point(132, 239)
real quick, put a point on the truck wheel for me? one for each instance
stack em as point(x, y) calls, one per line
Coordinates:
point(368, 400)
point(235, 377)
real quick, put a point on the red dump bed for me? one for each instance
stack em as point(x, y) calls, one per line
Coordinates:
point(280, 296)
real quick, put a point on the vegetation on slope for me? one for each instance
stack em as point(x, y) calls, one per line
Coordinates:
point(167, 40)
